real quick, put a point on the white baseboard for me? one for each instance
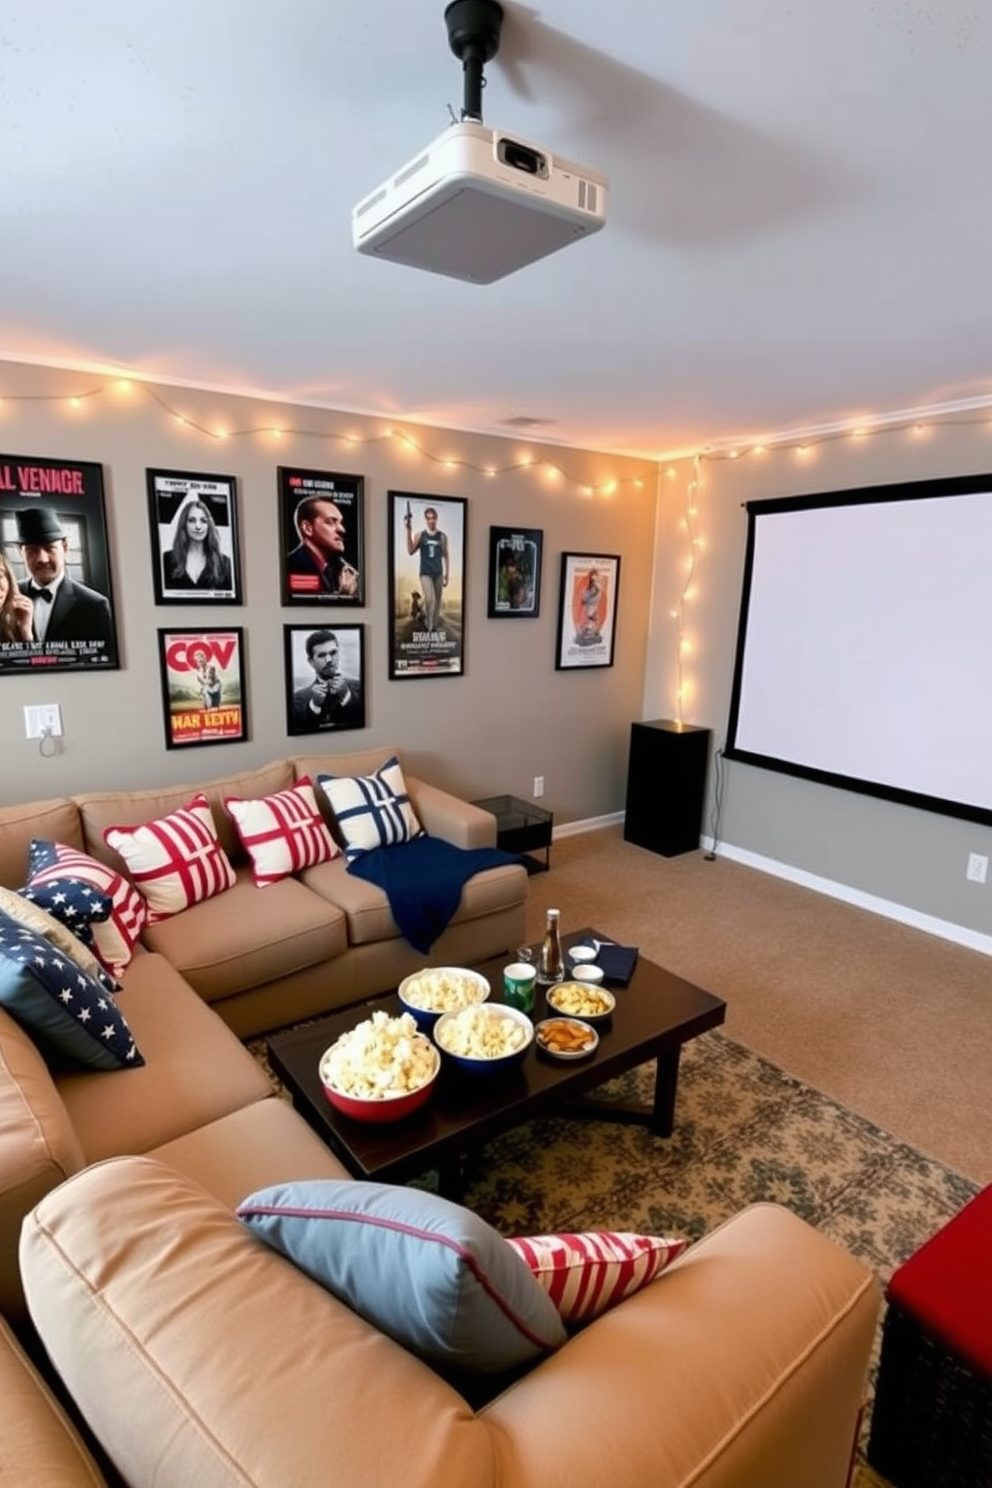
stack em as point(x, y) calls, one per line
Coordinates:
point(960, 934)
point(946, 929)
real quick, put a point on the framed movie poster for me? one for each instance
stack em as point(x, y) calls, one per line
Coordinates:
point(203, 687)
point(587, 610)
point(325, 678)
point(194, 530)
point(322, 537)
point(56, 605)
point(426, 585)
point(514, 572)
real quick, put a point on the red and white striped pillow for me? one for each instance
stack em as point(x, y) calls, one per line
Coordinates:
point(54, 863)
point(175, 861)
point(586, 1273)
point(282, 833)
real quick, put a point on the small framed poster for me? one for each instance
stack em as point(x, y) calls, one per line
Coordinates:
point(514, 572)
point(325, 678)
point(426, 585)
point(56, 605)
point(587, 610)
point(203, 687)
point(193, 520)
point(322, 537)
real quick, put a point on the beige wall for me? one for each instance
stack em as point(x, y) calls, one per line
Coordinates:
point(509, 718)
point(910, 858)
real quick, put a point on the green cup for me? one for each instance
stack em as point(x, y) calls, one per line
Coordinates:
point(518, 985)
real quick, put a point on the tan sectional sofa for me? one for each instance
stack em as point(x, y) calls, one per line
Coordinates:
point(188, 1352)
point(322, 939)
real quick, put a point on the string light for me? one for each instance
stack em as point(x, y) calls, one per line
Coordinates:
point(401, 437)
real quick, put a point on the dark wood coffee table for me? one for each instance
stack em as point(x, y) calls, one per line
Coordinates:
point(656, 1014)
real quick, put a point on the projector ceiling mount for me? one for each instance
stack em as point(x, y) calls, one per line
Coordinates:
point(473, 35)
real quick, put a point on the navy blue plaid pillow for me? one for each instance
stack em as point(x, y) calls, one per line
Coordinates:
point(60, 1004)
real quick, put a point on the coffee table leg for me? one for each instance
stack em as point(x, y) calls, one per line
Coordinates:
point(665, 1086)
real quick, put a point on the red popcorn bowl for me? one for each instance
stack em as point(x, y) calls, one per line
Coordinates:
point(390, 1105)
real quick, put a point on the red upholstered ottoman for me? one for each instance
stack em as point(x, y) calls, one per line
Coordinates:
point(931, 1423)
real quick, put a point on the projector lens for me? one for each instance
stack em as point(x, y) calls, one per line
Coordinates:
point(522, 158)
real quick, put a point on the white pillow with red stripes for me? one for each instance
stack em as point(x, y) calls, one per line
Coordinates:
point(57, 872)
point(282, 833)
point(589, 1272)
point(175, 861)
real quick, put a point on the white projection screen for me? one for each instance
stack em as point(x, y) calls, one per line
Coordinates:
point(864, 644)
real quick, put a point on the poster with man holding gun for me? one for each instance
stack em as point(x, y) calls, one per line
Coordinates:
point(427, 567)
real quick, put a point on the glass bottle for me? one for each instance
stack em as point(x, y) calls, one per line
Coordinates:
point(551, 962)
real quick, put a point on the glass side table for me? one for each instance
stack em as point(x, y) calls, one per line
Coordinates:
point(521, 827)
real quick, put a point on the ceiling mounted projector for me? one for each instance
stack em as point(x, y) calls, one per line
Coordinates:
point(477, 203)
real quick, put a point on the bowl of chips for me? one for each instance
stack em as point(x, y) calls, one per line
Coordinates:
point(381, 1070)
point(486, 1039)
point(434, 990)
point(581, 1000)
point(565, 1038)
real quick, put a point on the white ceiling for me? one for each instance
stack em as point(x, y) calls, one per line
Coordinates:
point(799, 222)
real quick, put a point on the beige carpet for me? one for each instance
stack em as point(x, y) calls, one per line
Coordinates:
point(894, 1023)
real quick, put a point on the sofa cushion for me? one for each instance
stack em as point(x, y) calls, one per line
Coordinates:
point(38, 1143)
point(250, 936)
point(26, 912)
point(57, 867)
point(57, 818)
point(220, 1362)
point(68, 1011)
point(175, 860)
point(430, 1273)
point(282, 833)
point(38, 1444)
point(101, 809)
point(371, 810)
point(195, 1070)
point(584, 1274)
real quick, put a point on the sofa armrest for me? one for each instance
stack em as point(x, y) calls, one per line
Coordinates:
point(743, 1363)
point(448, 816)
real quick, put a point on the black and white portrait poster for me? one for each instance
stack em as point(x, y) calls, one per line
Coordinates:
point(193, 520)
point(56, 604)
point(325, 678)
point(426, 592)
point(322, 531)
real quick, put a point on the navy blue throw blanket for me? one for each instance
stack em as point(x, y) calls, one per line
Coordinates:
point(423, 881)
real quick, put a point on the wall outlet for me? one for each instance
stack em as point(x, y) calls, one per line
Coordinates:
point(978, 867)
point(46, 718)
point(538, 786)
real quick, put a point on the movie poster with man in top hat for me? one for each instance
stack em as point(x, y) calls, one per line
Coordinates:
point(56, 605)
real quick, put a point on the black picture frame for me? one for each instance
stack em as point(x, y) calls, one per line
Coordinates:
point(514, 591)
point(178, 576)
point(416, 649)
point(587, 616)
point(301, 674)
point(200, 706)
point(309, 576)
point(52, 512)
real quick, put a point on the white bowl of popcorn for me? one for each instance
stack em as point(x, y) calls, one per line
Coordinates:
point(441, 989)
point(381, 1070)
point(488, 1038)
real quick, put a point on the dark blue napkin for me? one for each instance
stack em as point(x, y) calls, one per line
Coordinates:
point(617, 962)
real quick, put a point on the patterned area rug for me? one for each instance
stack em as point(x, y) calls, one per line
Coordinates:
point(745, 1131)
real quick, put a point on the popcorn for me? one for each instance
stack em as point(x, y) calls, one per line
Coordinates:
point(482, 1033)
point(443, 988)
point(381, 1057)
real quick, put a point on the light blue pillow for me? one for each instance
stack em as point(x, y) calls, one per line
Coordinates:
point(431, 1274)
point(371, 810)
point(63, 1008)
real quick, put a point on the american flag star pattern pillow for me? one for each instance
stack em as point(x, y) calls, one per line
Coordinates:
point(175, 861)
point(589, 1272)
point(55, 869)
point(282, 833)
point(64, 1009)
